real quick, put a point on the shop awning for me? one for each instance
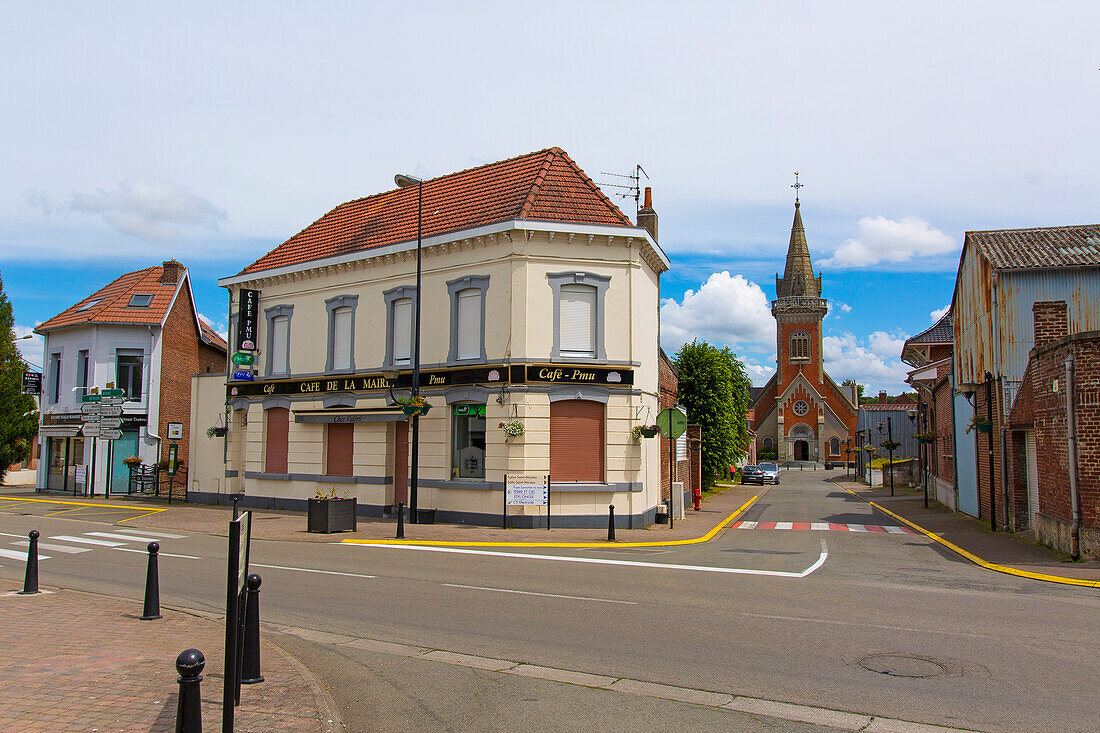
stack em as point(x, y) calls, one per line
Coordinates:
point(348, 416)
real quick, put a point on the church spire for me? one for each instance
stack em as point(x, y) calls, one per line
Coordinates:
point(798, 276)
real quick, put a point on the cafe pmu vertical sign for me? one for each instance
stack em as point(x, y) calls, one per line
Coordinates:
point(248, 311)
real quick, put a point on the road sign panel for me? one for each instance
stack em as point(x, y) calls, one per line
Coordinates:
point(672, 422)
point(90, 408)
point(90, 430)
point(90, 398)
point(242, 359)
point(110, 410)
point(113, 400)
point(112, 392)
point(110, 423)
point(110, 434)
point(243, 374)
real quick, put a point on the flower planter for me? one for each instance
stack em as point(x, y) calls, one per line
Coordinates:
point(983, 427)
point(331, 515)
point(649, 432)
point(413, 410)
point(425, 516)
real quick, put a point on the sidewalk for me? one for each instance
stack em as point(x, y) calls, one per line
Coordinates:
point(77, 661)
point(1012, 550)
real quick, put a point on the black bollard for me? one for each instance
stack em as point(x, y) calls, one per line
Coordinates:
point(151, 609)
point(610, 522)
point(400, 520)
point(250, 673)
point(189, 664)
point(30, 580)
point(236, 498)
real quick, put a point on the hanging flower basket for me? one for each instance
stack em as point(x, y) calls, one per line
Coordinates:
point(649, 431)
point(980, 424)
point(415, 405)
point(926, 437)
point(512, 428)
point(216, 432)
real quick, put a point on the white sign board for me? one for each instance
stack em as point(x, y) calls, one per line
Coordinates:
point(81, 474)
point(110, 434)
point(110, 410)
point(525, 490)
point(90, 430)
point(175, 431)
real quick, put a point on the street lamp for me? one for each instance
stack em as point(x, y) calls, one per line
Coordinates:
point(404, 181)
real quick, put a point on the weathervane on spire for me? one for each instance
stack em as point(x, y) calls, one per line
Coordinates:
point(796, 186)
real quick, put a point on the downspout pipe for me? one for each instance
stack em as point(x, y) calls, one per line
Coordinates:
point(992, 475)
point(1071, 440)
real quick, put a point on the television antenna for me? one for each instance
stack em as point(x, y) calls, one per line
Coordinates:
point(632, 190)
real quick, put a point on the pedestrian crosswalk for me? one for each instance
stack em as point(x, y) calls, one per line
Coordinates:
point(822, 526)
point(86, 542)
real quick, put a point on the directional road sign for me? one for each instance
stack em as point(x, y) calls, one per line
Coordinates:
point(90, 430)
point(672, 422)
point(90, 398)
point(110, 434)
point(113, 400)
point(112, 392)
point(110, 423)
point(110, 410)
point(91, 408)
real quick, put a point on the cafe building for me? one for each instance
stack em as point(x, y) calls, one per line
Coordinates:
point(538, 353)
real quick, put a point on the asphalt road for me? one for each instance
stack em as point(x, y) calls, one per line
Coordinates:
point(874, 622)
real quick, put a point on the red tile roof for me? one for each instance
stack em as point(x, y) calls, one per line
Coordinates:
point(1043, 247)
point(112, 302)
point(210, 336)
point(541, 186)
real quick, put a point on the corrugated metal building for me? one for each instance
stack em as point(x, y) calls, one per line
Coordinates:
point(1002, 274)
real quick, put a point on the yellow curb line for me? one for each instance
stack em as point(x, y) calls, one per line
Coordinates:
point(663, 543)
point(154, 510)
point(977, 560)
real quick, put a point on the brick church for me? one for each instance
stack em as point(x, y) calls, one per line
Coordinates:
point(801, 413)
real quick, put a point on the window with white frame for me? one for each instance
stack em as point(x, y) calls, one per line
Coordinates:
point(129, 373)
point(279, 344)
point(402, 331)
point(577, 325)
point(81, 368)
point(469, 323)
point(54, 375)
point(341, 333)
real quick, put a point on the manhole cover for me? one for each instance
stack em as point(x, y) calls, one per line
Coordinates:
point(897, 665)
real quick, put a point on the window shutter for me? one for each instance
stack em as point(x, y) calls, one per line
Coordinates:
point(340, 449)
point(275, 448)
point(402, 331)
point(280, 327)
point(682, 447)
point(469, 324)
point(577, 334)
point(576, 441)
point(341, 338)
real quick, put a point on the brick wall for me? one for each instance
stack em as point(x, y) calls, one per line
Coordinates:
point(669, 386)
point(183, 353)
point(988, 501)
point(1051, 321)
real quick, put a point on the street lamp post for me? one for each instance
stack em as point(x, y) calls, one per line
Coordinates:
point(404, 181)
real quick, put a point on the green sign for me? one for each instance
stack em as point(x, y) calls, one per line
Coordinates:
point(111, 393)
point(672, 422)
point(90, 398)
point(471, 410)
point(242, 359)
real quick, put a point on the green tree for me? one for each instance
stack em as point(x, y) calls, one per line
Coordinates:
point(715, 391)
point(18, 418)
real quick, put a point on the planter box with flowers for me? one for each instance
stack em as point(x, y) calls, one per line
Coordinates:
point(512, 428)
point(328, 513)
point(216, 432)
point(644, 431)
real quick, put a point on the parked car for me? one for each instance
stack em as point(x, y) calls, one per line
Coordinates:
point(752, 475)
point(771, 472)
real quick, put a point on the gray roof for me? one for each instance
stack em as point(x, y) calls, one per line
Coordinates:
point(941, 332)
point(1041, 247)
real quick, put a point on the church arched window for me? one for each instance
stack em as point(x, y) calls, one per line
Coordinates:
point(767, 443)
point(834, 447)
point(799, 347)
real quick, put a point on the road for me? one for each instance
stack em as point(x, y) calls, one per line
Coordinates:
point(860, 617)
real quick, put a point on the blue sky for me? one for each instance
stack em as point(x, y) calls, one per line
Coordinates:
point(210, 133)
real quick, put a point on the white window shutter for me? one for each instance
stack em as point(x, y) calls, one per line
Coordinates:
point(402, 331)
point(280, 326)
point(577, 334)
point(341, 338)
point(469, 324)
point(682, 447)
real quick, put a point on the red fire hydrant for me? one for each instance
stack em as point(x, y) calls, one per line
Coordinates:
point(696, 495)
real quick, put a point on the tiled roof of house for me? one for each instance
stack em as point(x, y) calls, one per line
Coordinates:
point(885, 407)
point(210, 336)
point(941, 332)
point(109, 304)
point(542, 186)
point(1069, 246)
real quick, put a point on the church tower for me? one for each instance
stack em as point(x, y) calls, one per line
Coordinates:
point(801, 414)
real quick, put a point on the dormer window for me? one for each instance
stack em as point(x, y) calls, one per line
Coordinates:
point(90, 304)
point(140, 301)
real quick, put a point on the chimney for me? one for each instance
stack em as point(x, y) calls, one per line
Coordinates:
point(647, 217)
point(882, 398)
point(172, 272)
point(1051, 321)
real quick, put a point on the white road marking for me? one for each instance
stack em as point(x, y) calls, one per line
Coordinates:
point(58, 548)
point(784, 525)
point(86, 541)
point(819, 525)
point(14, 555)
point(857, 528)
point(158, 535)
point(863, 624)
point(310, 570)
point(532, 593)
point(892, 529)
point(599, 561)
point(126, 537)
point(159, 554)
point(747, 525)
point(9, 534)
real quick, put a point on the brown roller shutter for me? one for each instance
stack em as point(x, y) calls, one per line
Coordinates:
point(340, 442)
point(278, 426)
point(576, 441)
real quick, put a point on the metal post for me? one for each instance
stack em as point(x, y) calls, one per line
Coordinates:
point(251, 671)
point(890, 437)
point(989, 440)
point(236, 498)
point(30, 580)
point(151, 609)
point(189, 664)
point(671, 488)
point(400, 520)
point(610, 522)
point(413, 483)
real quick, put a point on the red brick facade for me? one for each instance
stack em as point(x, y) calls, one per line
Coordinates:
point(668, 383)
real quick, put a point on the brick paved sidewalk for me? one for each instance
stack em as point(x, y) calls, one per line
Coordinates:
point(1015, 550)
point(77, 661)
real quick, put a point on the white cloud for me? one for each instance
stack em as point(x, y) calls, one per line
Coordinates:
point(875, 364)
point(31, 349)
point(148, 209)
point(888, 240)
point(219, 328)
point(940, 313)
point(726, 310)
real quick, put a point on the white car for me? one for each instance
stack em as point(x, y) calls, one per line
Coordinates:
point(771, 472)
